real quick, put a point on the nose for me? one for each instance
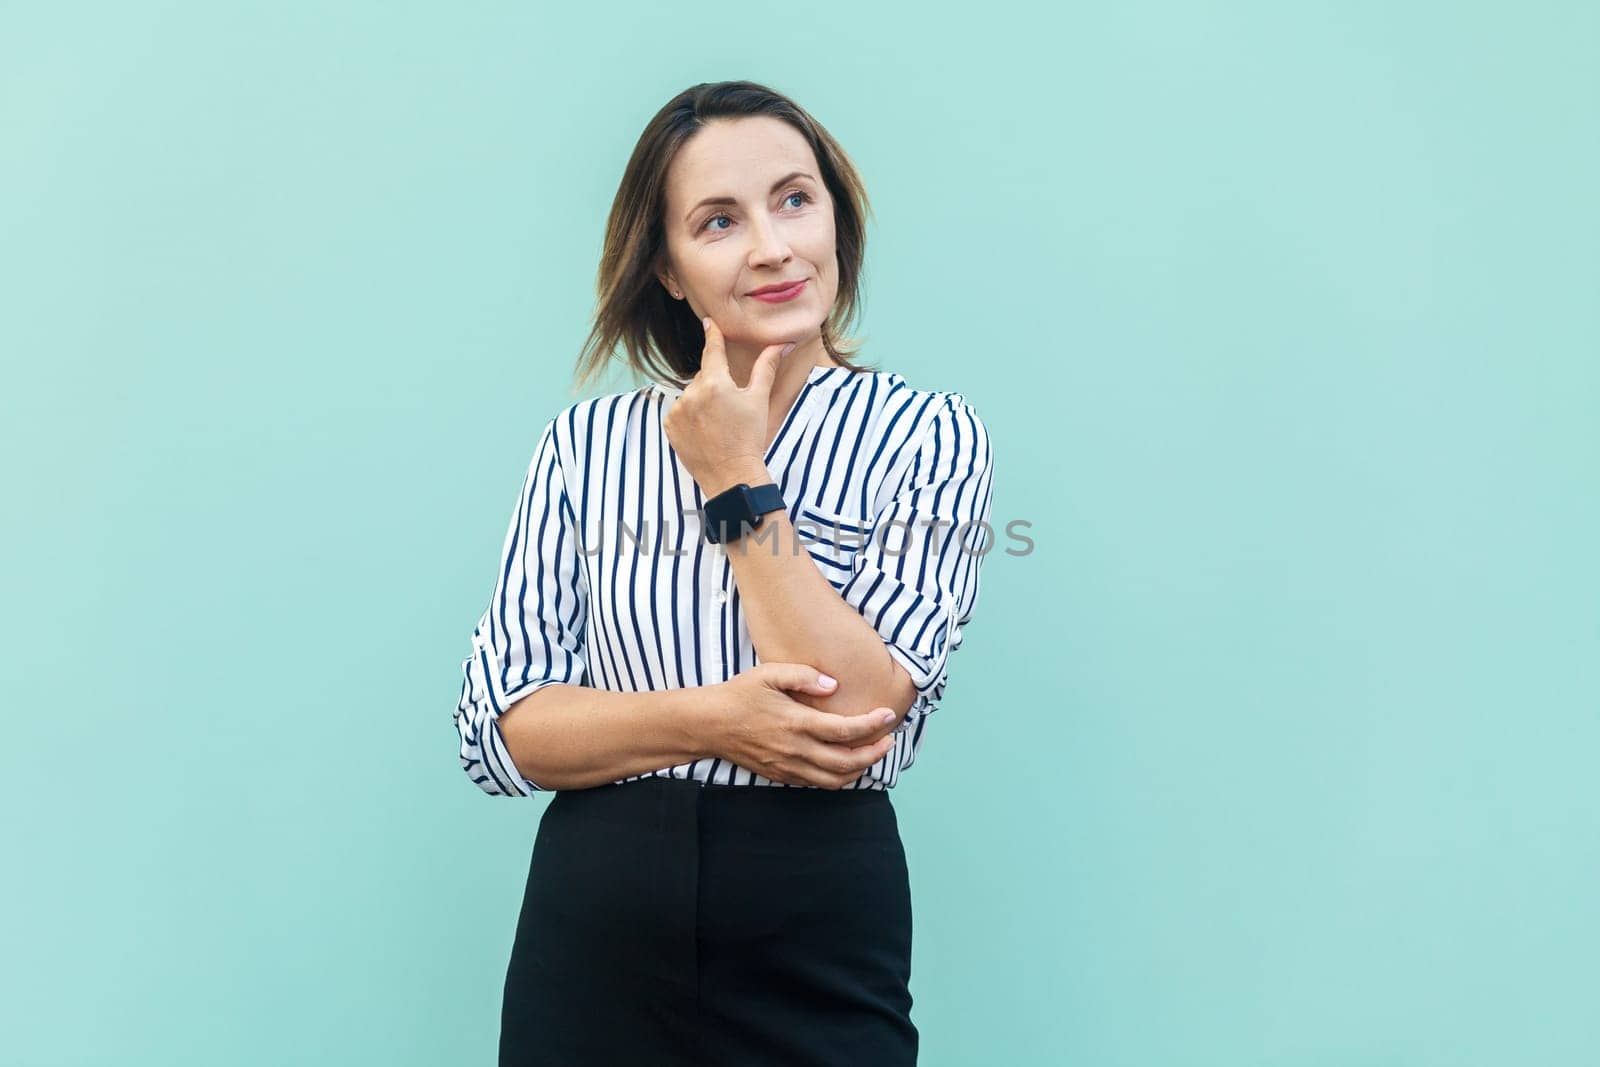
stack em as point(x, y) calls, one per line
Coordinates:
point(768, 248)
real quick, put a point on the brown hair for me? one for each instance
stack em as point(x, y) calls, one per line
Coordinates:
point(660, 336)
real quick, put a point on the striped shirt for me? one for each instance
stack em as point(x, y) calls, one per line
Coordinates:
point(606, 579)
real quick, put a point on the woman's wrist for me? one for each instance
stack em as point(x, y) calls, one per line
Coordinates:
point(701, 713)
point(750, 470)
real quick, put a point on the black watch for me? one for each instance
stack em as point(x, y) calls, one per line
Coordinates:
point(731, 513)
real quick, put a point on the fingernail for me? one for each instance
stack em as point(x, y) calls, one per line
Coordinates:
point(823, 679)
point(787, 349)
point(705, 322)
point(886, 718)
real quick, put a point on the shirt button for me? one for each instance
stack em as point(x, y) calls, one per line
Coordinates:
point(719, 596)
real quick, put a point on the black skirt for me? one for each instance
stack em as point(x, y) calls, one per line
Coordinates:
point(670, 922)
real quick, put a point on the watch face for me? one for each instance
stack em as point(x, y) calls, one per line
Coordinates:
point(729, 513)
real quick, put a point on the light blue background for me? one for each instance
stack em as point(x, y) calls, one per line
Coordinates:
point(1280, 748)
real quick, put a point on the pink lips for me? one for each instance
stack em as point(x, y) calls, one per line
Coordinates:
point(778, 296)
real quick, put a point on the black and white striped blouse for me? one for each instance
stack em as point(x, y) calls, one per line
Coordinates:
point(606, 579)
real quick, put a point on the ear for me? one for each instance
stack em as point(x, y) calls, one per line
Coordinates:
point(669, 283)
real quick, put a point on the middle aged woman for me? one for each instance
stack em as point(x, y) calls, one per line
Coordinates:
point(721, 621)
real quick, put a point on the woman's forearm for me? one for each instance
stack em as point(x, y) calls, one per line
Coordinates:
point(575, 737)
point(796, 616)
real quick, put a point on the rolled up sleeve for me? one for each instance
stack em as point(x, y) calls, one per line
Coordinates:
point(531, 634)
point(916, 579)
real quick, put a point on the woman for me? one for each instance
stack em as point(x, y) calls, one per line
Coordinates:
point(721, 704)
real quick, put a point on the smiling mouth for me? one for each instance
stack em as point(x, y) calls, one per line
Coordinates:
point(774, 296)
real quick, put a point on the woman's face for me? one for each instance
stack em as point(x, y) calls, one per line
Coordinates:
point(771, 222)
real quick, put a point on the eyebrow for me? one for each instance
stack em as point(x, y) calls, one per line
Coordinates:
point(785, 180)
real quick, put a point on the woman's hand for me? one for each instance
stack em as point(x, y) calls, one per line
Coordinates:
point(762, 728)
point(717, 426)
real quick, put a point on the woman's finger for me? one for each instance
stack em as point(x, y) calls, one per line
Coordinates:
point(838, 759)
point(714, 358)
point(846, 730)
point(797, 676)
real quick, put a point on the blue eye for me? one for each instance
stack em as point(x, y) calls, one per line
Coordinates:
point(804, 196)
